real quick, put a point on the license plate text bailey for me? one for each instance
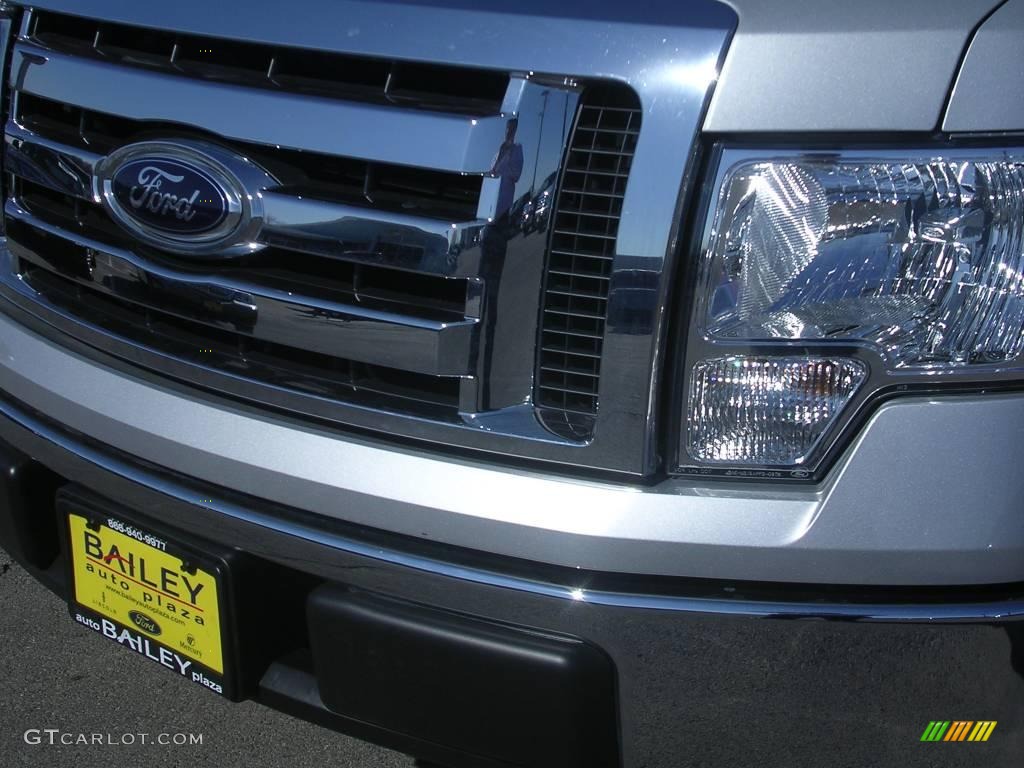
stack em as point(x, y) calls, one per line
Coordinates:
point(149, 596)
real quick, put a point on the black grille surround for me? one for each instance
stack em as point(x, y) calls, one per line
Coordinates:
point(579, 267)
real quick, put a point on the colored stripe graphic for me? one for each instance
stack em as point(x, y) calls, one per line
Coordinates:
point(959, 730)
point(935, 730)
point(982, 730)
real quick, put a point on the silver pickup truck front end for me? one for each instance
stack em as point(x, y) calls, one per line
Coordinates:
point(432, 364)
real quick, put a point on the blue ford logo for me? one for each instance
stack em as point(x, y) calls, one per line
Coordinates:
point(189, 197)
point(145, 623)
point(170, 195)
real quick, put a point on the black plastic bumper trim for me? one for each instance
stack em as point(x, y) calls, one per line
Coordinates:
point(522, 696)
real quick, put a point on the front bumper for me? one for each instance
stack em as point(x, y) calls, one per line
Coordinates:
point(706, 673)
point(895, 510)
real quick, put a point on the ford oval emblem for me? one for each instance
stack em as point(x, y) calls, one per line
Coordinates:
point(170, 195)
point(189, 197)
point(144, 622)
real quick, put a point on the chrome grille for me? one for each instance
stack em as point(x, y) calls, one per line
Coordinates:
point(193, 344)
point(422, 296)
point(373, 310)
point(427, 86)
point(395, 267)
point(323, 177)
point(579, 266)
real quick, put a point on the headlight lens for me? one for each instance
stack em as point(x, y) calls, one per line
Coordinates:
point(820, 271)
point(923, 260)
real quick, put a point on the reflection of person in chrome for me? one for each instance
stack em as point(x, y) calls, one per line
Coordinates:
point(507, 167)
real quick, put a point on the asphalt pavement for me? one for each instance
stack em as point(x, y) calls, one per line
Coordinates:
point(61, 682)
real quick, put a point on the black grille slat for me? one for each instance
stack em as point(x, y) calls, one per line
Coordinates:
point(594, 256)
point(577, 334)
point(561, 350)
point(574, 313)
point(575, 294)
point(424, 86)
point(578, 274)
point(582, 367)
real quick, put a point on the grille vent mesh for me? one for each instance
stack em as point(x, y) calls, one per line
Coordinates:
point(579, 267)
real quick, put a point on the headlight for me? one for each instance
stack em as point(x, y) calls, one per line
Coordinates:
point(820, 272)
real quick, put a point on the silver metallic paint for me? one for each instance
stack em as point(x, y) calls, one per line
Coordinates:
point(833, 65)
point(101, 465)
point(863, 526)
point(987, 95)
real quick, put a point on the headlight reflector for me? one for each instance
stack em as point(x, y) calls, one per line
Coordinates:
point(923, 259)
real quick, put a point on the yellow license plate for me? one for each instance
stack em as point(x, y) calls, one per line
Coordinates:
point(138, 590)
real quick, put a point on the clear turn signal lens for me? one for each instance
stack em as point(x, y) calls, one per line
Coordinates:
point(766, 411)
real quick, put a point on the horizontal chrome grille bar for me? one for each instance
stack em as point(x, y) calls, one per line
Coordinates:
point(352, 332)
point(424, 192)
point(294, 222)
point(55, 165)
point(378, 79)
point(450, 142)
point(181, 350)
point(351, 232)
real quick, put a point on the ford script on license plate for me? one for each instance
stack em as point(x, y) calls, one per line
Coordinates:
point(150, 595)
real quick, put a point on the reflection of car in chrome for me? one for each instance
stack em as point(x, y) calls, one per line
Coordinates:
point(218, 303)
point(519, 213)
point(634, 384)
point(537, 210)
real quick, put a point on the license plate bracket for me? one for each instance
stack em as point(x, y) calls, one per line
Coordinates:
point(150, 592)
